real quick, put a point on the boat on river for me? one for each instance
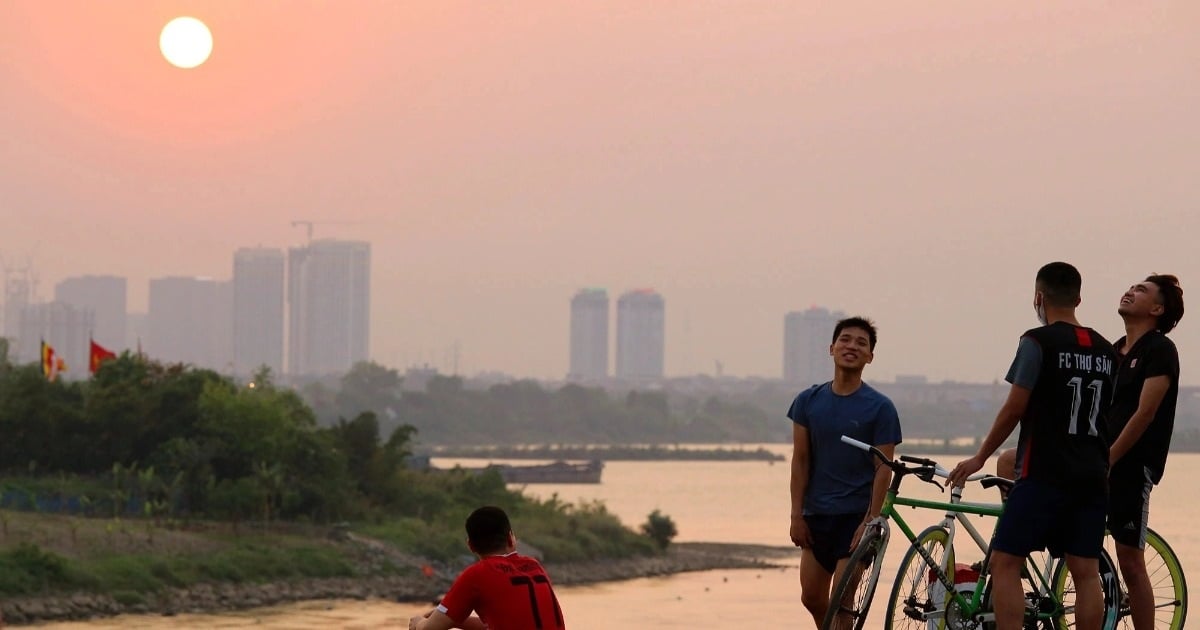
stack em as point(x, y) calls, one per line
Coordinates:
point(555, 472)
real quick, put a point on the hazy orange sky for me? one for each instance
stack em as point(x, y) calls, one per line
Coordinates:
point(911, 161)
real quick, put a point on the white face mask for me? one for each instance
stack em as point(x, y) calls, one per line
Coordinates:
point(1039, 309)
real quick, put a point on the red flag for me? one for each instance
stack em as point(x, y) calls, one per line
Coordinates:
point(52, 364)
point(98, 355)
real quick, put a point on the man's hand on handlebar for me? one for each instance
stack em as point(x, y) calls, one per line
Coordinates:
point(964, 469)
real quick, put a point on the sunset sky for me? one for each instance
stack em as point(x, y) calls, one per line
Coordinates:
point(915, 162)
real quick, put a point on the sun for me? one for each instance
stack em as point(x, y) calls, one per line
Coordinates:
point(185, 42)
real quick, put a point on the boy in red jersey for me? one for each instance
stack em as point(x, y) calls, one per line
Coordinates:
point(506, 590)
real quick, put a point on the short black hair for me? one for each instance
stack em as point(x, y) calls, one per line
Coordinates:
point(488, 529)
point(856, 322)
point(1171, 296)
point(1059, 283)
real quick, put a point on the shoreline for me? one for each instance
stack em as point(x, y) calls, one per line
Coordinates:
point(227, 597)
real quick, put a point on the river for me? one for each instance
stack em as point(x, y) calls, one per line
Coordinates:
point(743, 502)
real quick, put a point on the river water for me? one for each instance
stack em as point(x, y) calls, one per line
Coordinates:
point(744, 502)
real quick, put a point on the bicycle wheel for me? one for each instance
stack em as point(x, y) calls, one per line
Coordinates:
point(851, 598)
point(1064, 592)
point(1166, 580)
point(918, 601)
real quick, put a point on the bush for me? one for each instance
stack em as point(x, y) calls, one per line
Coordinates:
point(660, 528)
point(28, 569)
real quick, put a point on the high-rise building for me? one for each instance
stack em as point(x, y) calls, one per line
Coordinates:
point(640, 335)
point(105, 296)
point(190, 320)
point(18, 292)
point(589, 335)
point(806, 339)
point(64, 327)
point(258, 275)
point(137, 330)
point(329, 299)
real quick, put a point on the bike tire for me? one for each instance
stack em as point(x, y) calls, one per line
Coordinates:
point(1064, 591)
point(854, 590)
point(913, 592)
point(1167, 581)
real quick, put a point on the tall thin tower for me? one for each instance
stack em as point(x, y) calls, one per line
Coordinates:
point(589, 335)
point(258, 290)
point(640, 335)
point(18, 293)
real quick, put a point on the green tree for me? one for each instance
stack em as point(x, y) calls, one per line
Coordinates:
point(660, 528)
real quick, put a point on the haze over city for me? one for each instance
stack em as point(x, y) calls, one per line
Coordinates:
point(912, 162)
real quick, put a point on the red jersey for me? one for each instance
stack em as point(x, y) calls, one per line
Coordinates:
point(510, 592)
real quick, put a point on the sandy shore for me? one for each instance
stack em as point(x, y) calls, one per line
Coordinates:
point(207, 599)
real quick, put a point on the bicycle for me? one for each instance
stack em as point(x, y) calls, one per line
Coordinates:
point(915, 601)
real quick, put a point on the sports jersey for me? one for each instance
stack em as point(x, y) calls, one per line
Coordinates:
point(509, 592)
point(841, 477)
point(1153, 355)
point(1063, 431)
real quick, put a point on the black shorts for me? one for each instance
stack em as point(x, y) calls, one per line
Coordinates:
point(1064, 519)
point(832, 535)
point(1129, 505)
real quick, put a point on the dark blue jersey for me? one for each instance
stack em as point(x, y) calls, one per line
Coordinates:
point(841, 476)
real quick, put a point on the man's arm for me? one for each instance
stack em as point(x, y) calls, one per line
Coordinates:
point(438, 620)
point(1007, 419)
point(801, 463)
point(1154, 389)
point(883, 477)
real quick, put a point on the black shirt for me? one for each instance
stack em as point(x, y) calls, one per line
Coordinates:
point(1063, 432)
point(1153, 355)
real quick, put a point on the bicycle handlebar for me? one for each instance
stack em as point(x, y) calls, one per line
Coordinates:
point(924, 464)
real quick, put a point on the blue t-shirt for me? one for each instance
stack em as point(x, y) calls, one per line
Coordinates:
point(840, 475)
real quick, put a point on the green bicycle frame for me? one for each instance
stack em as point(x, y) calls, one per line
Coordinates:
point(969, 607)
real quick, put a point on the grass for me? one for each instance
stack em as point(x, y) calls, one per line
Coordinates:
point(561, 533)
point(44, 553)
point(30, 570)
point(121, 557)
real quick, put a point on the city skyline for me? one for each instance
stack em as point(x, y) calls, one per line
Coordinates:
point(233, 326)
point(804, 347)
point(912, 164)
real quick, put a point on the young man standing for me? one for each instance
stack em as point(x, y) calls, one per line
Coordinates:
point(1062, 379)
point(506, 590)
point(1140, 421)
point(836, 488)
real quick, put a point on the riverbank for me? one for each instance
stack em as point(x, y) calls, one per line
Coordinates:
point(222, 597)
point(612, 453)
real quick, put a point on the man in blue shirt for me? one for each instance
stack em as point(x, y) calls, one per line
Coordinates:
point(836, 488)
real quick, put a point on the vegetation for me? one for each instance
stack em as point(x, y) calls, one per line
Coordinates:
point(238, 477)
point(523, 412)
point(659, 528)
point(27, 569)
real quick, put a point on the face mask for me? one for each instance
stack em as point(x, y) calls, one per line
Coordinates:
point(1039, 309)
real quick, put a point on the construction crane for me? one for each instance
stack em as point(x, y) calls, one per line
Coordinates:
point(309, 224)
